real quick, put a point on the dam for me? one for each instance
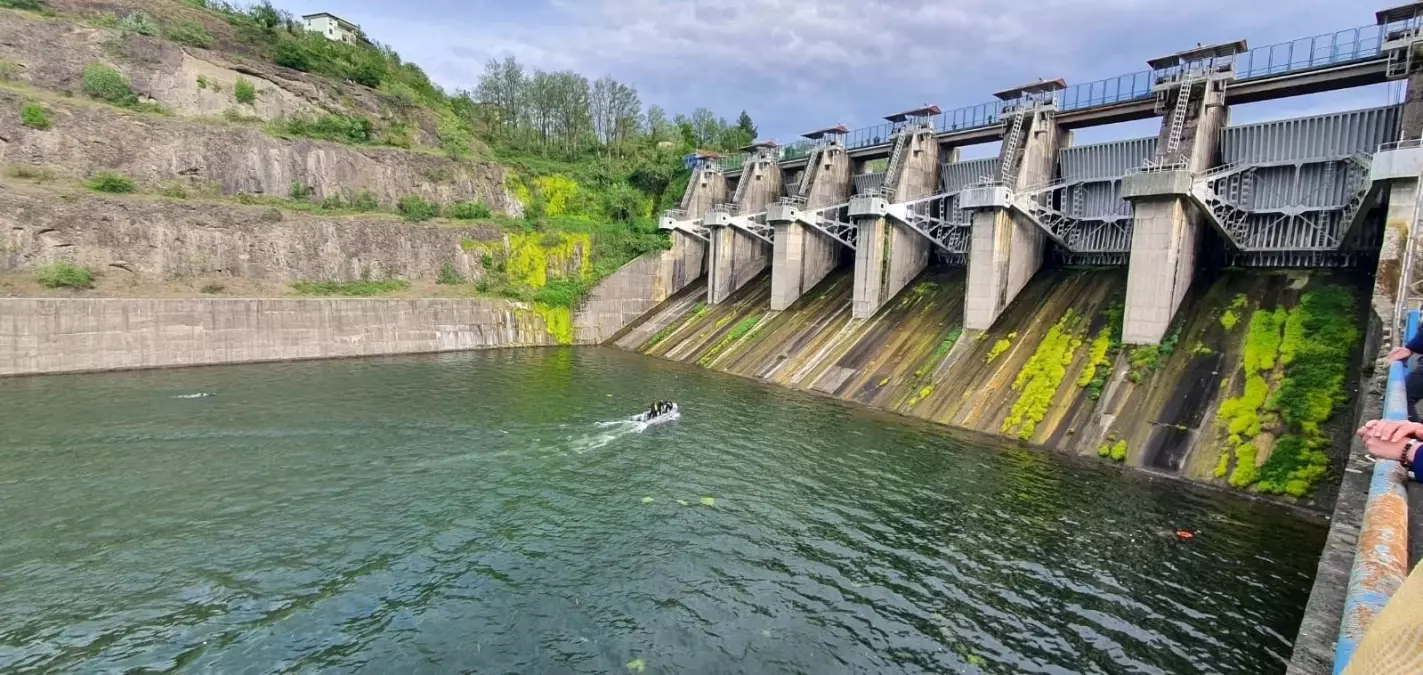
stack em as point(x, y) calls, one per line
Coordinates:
point(924, 365)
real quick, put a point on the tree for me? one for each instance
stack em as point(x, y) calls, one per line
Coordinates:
point(600, 108)
point(706, 128)
point(265, 16)
point(504, 87)
point(745, 124)
point(657, 127)
point(626, 109)
point(570, 110)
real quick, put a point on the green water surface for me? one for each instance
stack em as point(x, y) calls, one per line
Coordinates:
point(469, 513)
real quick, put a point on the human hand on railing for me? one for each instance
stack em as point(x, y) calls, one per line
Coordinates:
point(1395, 440)
point(1391, 430)
point(1400, 353)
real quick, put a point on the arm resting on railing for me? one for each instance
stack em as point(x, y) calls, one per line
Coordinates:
point(1397, 440)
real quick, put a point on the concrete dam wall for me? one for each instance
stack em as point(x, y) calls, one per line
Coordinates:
point(1049, 372)
point(74, 335)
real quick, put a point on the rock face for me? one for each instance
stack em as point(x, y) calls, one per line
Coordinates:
point(174, 240)
point(160, 71)
point(85, 139)
point(186, 80)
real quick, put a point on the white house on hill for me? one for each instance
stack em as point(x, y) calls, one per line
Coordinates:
point(333, 27)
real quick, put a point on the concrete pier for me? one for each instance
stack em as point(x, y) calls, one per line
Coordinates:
point(802, 255)
point(889, 256)
point(1006, 249)
point(735, 255)
point(706, 188)
point(1166, 229)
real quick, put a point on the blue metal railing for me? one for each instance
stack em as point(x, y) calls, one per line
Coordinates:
point(1110, 91)
point(1333, 49)
point(1320, 51)
point(1381, 560)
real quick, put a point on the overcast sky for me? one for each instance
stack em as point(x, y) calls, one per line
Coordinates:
point(797, 65)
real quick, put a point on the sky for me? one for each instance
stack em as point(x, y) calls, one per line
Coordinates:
point(798, 65)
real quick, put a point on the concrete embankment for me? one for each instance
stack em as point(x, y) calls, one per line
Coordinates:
point(72, 335)
point(1048, 372)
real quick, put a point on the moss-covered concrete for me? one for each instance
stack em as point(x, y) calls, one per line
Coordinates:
point(1076, 388)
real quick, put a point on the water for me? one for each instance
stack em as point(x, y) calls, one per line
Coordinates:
point(469, 513)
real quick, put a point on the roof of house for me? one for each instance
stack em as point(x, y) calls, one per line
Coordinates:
point(329, 14)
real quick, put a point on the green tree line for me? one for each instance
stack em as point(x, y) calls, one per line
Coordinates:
point(563, 114)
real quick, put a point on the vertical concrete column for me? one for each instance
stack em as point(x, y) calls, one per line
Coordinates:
point(1394, 176)
point(889, 256)
point(802, 255)
point(737, 256)
point(1005, 248)
point(687, 261)
point(1411, 126)
point(1166, 232)
point(708, 187)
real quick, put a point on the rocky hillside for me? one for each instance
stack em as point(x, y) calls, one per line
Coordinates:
point(170, 147)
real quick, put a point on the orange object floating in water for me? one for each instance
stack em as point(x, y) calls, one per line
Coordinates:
point(1185, 534)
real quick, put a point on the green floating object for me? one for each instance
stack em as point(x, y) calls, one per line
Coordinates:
point(708, 501)
point(636, 666)
point(647, 500)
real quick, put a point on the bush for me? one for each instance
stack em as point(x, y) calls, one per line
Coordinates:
point(469, 211)
point(339, 128)
point(34, 117)
point(416, 209)
point(64, 275)
point(560, 293)
point(300, 192)
point(332, 203)
point(138, 23)
point(188, 33)
point(213, 288)
point(28, 5)
point(291, 55)
point(244, 91)
point(28, 172)
point(173, 190)
point(448, 275)
point(365, 201)
point(349, 288)
point(107, 84)
point(112, 183)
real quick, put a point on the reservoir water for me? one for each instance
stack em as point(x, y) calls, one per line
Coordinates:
point(477, 513)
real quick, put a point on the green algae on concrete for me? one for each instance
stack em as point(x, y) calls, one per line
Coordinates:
point(1041, 377)
point(911, 358)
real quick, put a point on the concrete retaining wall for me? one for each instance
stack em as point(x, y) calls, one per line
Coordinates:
point(69, 335)
point(637, 288)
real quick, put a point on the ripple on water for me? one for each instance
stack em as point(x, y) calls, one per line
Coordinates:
point(486, 512)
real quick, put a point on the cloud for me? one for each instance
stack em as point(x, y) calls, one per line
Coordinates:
point(801, 64)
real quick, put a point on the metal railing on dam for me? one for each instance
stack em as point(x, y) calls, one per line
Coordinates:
point(1320, 52)
point(1380, 559)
